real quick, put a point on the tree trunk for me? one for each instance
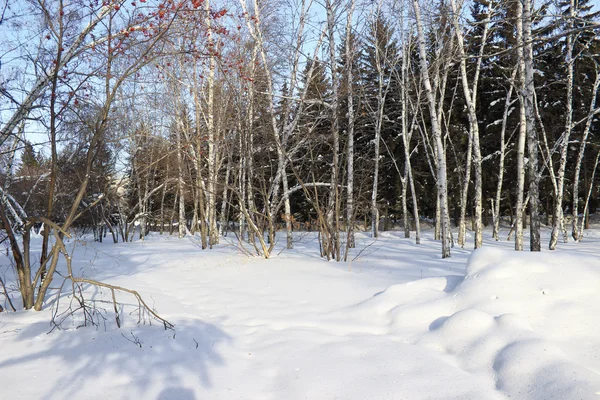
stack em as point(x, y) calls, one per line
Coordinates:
point(584, 221)
point(288, 213)
point(350, 140)
point(582, 145)
point(333, 216)
point(404, 182)
point(498, 197)
point(210, 127)
point(407, 136)
point(519, 209)
point(437, 135)
point(532, 140)
point(224, 203)
point(564, 147)
point(180, 186)
point(471, 100)
point(462, 224)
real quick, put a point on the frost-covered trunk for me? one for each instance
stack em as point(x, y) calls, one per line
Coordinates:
point(477, 166)
point(150, 177)
point(241, 188)
point(200, 188)
point(406, 136)
point(437, 228)
point(502, 157)
point(350, 139)
point(462, 224)
point(577, 233)
point(409, 180)
point(225, 202)
point(194, 224)
point(173, 210)
point(210, 127)
point(532, 140)
point(249, 155)
point(142, 208)
point(287, 209)
point(589, 195)
point(377, 141)
point(202, 209)
point(557, 221)
point(180, 186)
point(437, 136)
point(287, 212)
point(380, 59)
point(520, 208)
point(162, 201)
point(250, 181)
point(471, 102)
point(404, 183)
point(333, 215)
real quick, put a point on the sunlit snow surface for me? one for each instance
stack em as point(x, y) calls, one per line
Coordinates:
point(398, 322)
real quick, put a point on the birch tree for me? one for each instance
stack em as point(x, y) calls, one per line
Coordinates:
point(349, 52)
point(532, 140)
point(557, 220)
point(470, 93)
point(577, 232)
point(442, 186)
point(522, 137)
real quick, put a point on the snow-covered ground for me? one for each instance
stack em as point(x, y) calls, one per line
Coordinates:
point(396, 323)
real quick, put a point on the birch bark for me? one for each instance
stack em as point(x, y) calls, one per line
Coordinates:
point(210, 127)
point(333, 215)
point(577, 233)
point(520, 211)
point(532, 140)
point(350, 145)
point(557, 220)
point(471, 101)
point(437, 136)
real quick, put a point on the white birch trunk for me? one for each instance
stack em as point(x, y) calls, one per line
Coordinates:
point(462, 224)
point(471, 101)
point(437, 136)
point(162, 201)
point(406, 137)
point(350, 145)
point(520, 208)
point(334, 201)
point(589, 195)
point(577, 233)
point(532, 140)
point(224, 217)
point(404, 183)
point(557, 221)
point(210, 127)
point(381, 95)
point(498, 197)
point(287, 212)
point(249, 154)
point(180, 186)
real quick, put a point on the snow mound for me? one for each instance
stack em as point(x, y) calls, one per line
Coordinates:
point(554, 293)
point(526, 323)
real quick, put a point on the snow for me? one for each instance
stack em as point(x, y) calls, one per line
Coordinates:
point(397, 322)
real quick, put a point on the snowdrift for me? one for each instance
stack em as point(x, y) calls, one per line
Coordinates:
point(527, 323)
